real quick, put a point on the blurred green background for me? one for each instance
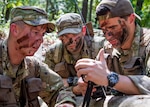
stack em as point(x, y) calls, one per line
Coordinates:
point(55, 8)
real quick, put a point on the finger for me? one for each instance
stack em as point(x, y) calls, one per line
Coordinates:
point(103, 56)
point(82, 85)
point(101, 52)
point(82, 71)
point(84, 64)
point(86, 60)
point(84, 78)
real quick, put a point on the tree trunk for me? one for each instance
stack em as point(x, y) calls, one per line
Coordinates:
point(7, 14)
point(139, 4)
point(90, 11)
point(85, 9)
point(138, 9)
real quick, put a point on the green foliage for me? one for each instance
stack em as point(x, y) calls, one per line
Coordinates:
point(55, 8)
point(145, 15)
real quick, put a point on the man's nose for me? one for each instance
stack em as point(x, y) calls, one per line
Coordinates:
point(108, 33)
point(72, 40)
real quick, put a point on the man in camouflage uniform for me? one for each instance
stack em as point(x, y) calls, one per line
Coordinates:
point(23, 78)
point(126, 53)
point(74, 44)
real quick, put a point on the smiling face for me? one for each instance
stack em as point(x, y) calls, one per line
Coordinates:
point(73, 42)
point(115, 30)
point(29, 39)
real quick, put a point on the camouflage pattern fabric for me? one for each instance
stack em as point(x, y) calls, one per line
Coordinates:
point(122, 101)
point(31, 67)
point(140, 48)
point(143, 100)
point(63, 62)
point(59, 59)
point(32, 16)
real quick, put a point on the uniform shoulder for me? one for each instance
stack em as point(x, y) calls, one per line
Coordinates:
point(57, 44)
point(145, 38)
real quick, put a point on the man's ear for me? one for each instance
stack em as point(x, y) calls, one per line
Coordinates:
point(13, 29)
point(132, 18)
point(84, 30)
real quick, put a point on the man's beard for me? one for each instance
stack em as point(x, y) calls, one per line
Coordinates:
point(124, 36)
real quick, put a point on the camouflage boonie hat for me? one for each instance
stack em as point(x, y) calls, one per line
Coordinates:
point(32, 16)
point(118, 8)
point(69, 23)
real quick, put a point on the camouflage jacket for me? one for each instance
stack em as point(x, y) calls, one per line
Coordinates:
point(132, 61)
point(143, 82)
point(62, 62)
point(127, 65)
point(127, 59)
point(31, 67)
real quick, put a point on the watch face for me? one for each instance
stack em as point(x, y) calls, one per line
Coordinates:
point(70, 80)
point(113, 78)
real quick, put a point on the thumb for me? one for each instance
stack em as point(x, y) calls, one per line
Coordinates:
point(103, 56)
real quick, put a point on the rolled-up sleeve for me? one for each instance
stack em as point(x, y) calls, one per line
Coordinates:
point(142, 83)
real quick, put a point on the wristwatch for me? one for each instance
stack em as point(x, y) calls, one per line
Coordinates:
point(72, 81)
point(113, 79)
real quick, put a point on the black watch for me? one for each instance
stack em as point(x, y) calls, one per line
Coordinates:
point(72, 81)
point(113, 79)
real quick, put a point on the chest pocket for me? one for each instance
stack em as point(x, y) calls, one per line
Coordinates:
point(5, 88)
point(61, 69)
point(34, 86)
point(7, 97)
point(134, 66)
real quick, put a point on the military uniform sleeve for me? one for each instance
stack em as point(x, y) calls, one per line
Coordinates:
point(148, 58)
point(52, 86)
point(49, 58)
point(142, 82)
point(54, 54)
point(62, 95)
point(145, 41)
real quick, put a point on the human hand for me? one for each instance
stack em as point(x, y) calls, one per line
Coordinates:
point(76, 90)
point(95, 71)
point(82, 85)
point(80, 88)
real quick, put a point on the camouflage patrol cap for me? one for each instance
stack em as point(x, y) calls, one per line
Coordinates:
point(32, 16)
point(118, 8)
point(69, 23)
